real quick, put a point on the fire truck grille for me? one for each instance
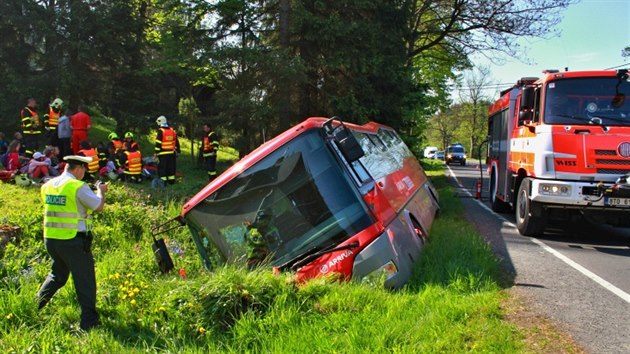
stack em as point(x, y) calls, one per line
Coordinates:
point(605, 152)
point(612, 171)
point(613, 162)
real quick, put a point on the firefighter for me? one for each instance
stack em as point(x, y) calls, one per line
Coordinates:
point(30, 127)
point(68, 204)
point(129, 142)
point(51, 121)
point(132, 161)
point(115, 142)
point(92, 167)
point(166, 149)
point(209, 150)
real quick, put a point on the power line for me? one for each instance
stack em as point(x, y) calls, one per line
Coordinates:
point(618, 66)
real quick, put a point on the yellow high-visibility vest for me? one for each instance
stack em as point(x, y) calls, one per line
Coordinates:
point(61, 212)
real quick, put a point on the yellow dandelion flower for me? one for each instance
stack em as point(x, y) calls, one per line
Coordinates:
point(9, 316)
point(133, 302)
point(201, 330)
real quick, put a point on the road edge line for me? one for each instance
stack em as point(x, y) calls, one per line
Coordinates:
point(573, 264)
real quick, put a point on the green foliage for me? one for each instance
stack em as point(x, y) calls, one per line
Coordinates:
point(451, 304)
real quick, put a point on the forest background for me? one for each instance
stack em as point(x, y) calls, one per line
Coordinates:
point(254, 68)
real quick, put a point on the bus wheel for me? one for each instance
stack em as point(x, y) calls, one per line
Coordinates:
point(422, 235)
point(497, 205)
point(530, 220)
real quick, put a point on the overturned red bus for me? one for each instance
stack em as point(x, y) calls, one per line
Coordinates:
point(323, 198)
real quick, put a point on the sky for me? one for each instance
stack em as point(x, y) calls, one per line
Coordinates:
point(593, 34)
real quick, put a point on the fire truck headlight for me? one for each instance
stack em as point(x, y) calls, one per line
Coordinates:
point(378, 277)
point(554, 189)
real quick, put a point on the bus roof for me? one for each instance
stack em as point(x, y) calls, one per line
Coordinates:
point(266, 149)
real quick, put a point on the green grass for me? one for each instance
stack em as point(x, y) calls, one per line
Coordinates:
point(452, 304)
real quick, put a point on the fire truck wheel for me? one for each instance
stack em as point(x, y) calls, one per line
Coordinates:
point(530, 220)
point(497, 205)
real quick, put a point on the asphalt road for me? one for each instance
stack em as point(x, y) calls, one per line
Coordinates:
point(578, 276)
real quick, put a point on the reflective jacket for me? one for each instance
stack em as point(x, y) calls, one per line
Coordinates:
point(92, 166)
point(166, 141)
point(118, 144)
point(61, 212)
point(51, 120)
point(30, 121)
point(210, 144)
point(133, 166)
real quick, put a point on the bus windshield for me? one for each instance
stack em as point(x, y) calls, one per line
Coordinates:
point(598, 101)
point(296, 201)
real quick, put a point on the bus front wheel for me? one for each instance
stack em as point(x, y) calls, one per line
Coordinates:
point(419, 230)
point(530, 219)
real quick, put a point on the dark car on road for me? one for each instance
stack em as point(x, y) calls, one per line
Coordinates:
point(456, 153)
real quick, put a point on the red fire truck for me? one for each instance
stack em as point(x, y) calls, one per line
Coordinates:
point(559, 148)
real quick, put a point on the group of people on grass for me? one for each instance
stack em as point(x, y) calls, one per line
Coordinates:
point(68, 201)
point(66, 133)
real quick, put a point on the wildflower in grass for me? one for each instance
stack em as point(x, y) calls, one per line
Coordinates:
point(9, 316)
point(201, 330)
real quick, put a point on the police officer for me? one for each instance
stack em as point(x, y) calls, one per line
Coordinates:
point(209, 150)
point(68, 204)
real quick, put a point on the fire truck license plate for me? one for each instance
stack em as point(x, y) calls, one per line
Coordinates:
point(618, 202)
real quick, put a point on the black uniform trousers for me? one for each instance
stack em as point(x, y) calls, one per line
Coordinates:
point(74, 257)
point(211, 165)
point(167, 168)
point(31, 142)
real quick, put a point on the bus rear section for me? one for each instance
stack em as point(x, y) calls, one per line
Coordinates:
point(324, 198)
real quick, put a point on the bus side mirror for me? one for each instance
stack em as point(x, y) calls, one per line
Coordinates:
point(348, 145)
point(527, 99)
point(346, 142)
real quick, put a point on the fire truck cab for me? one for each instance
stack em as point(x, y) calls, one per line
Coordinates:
point(559, 148)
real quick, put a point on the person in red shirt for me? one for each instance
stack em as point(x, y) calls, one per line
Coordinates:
point(14, 160)
point(80, 123)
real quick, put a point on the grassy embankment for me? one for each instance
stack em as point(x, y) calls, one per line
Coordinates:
point(452, 304)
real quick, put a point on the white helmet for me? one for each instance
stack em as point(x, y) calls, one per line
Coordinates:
point(57, 103)
point(22, 180)
point(161, 120)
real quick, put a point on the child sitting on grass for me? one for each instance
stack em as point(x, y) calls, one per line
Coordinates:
point(38, 166)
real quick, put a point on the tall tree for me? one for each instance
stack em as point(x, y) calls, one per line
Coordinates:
point(475, 104)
